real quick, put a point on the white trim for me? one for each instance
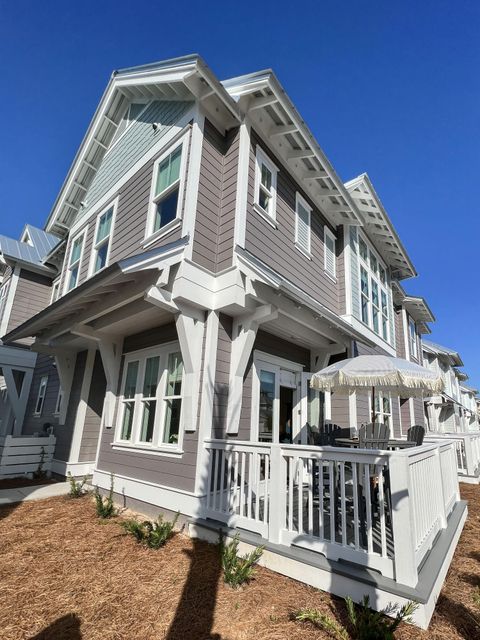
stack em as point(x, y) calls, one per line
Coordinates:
point(82, 234)
point(36, 413)
point(328, 234)
point(347, 252)
point(243, 171)
point(177, 131)
point(352, 409)
point(192, 181)
point(146, 102)
point(411, 407)
point(300, 201)
point(183, 143)
point(405, 334)
point(262, 158)
point(56, 286)
point(93, 253)
point(58, 401)
point(82, 406)
point(75, 468)
point(413, 342)
point(159, 495)
point(7, 309)
point(362, 328)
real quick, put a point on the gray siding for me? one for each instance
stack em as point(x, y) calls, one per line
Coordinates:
point(93, 416)
point(172, 472)
point(276, 247)
point(32, 295)
point(43, 367)
point(399, 335)
point(342, 300)
point(418, 411)
point(222, 373)
point(64, 432)
point(215, 221)
point(340, 410)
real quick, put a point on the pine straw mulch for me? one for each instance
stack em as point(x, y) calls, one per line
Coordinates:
point(64, 574)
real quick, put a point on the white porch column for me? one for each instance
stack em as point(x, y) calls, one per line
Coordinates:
point(82, 406)
point(18, 401)
point(190, 329)
point(65, 361)
point(244, 332)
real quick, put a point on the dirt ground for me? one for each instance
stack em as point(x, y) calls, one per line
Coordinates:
point(64, 574)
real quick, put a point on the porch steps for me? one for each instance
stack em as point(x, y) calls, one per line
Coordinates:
point(345, 579)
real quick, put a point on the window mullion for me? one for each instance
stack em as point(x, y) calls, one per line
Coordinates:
point(160, 396)
point(138, 404)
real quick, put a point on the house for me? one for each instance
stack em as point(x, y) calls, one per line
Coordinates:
point(469, 408)
point(211, 259)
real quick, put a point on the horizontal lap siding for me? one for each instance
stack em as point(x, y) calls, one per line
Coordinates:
point(32, 295)
point(131, 217)
point(342, 299)
point(340, 410)
point(399, 334)
point(276, 247)
point(43, 367)
point(405, 419)
point(418, 411)
point(222, 374)
point(93, 416)
point(64, 433)
point(215, 220)
point(162, 470)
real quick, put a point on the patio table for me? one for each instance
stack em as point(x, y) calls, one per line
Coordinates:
point(396, 444)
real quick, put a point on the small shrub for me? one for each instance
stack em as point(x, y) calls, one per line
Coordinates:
point(76, 487)
point(365, 623)
point(40, 473)
point(238, 569)
point(152, 534)
point(104, 505)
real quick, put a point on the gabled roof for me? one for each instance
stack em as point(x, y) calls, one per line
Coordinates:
point(36, 245)
point(379, 227)
point(261, 96)
point(184, 78)
point(453, 356)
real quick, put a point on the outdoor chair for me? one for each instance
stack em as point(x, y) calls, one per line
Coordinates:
point(373, 436)
point(416, 434)
point(328, 433)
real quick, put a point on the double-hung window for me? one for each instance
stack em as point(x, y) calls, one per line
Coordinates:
point(42, 390)
point(303, 214)
point(330, 253)
point(151, 400)
point(103, 233)
point(412, 336)
point(383, 409)
point(74, 261)
point(374, 299)
point(167, 189)
point(265, 185)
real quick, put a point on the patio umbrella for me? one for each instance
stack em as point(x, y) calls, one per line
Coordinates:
point(383, 373)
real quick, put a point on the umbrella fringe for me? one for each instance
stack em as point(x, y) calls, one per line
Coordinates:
point(397, 382)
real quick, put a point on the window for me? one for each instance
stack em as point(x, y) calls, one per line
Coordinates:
point(329, 249)
point(374, 299)
point(383, 409)
point(42, 389)
point(265, 185)
point(151, 400)
point(167, 189)
point(302, 224)
point(58, 403)
point(74, 262)
point(55, 291)
point(101, 247)
point(412, 336)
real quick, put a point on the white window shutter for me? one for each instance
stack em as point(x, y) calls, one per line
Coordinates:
point(330, 264)
point(303, 227)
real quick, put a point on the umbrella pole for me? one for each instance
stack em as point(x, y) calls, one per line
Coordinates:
point(373, 405)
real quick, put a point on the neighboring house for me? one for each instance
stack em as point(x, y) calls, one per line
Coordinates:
point(213, 260)
point(470, 421)
point(445, 410)
point(25, 289)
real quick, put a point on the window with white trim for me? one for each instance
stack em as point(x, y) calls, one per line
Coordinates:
point(303, 214)
point(58, 403)
point(55, 291)
point(42, 390)
point(383, 409)
point(265, 185)
point(102, 242)
point(75, 260)
point(330, 260)
point(151, 400)
point(412, 337)
point(167, 189)
point(374, 288)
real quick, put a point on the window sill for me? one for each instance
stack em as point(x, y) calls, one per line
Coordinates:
point(261, 212)
point(163, 231)
point(303, 251)
point(330, 277)
point(165, 451)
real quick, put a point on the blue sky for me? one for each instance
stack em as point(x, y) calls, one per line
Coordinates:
point(391, 88)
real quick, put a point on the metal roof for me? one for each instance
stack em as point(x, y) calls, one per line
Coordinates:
point(33, 252)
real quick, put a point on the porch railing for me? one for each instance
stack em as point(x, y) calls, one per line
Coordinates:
point(379, 509)
point(467, 447)
point(25, 455)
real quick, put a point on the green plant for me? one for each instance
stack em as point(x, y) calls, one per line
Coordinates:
point(152, 534)
point(365, 623)
point(76, 487)
point(237, 569)
point(104, 505)
point(40, 472)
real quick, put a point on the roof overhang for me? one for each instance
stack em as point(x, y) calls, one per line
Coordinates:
point(261, 97)
point(186, 78)
point(379, 227)
point(453, 357)
point(460, 375)
point(416, 307)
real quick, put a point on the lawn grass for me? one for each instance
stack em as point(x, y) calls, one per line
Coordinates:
point(64, 574)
